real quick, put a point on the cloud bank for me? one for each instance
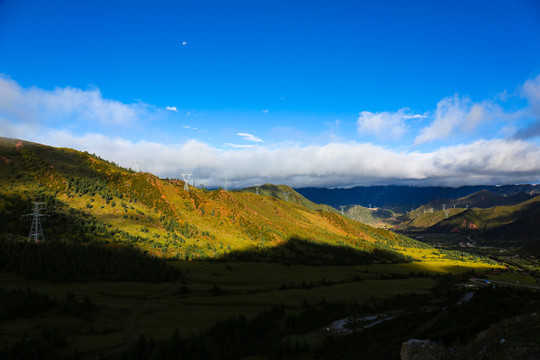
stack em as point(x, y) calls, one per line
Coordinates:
point(331, 165)
point(31, 114)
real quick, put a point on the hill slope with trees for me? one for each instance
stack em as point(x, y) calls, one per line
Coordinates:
point(90, 200)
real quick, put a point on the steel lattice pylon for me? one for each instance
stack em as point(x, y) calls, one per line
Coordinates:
point(36, 230)
point(186, 178)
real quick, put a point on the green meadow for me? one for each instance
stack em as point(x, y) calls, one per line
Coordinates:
point(209, 292)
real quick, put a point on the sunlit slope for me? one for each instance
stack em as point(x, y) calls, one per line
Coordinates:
point(371, 216)
point(90, 199)
point(425, 217)
point(285, 193)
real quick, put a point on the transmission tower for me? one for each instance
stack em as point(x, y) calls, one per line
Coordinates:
point(226, 188)
point(137, 166)
point(186, 177)
point(36, 230)
point(342, 207)
point(446, 213)
point(286, 193)
point(444, 207)
point(257, 188)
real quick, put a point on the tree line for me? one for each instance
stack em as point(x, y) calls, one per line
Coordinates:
point(25, 302)
point(72, 262)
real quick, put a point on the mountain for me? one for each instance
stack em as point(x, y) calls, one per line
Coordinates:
point(488, 218)
point(524, 229)
point(284, 193)
point(511, 225)
point(92, 200)
point(404, 198)
point(371, 216)
point(437, 214)
point(482, 199)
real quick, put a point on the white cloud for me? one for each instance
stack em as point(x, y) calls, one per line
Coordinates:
point(189, 127)
point(33, 105)
point(458, 115)
point(171, 108)
point(384, 124)
point(415, 116)
point(266, 111)
point(489, 161)
point(450, 113)
point(531, 91)
point(238, 146)
point(184, 43)
point(249, 137)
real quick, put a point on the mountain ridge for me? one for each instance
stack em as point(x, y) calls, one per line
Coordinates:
point(404, 198)
point(101, 201)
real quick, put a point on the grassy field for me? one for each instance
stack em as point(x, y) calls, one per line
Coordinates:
point(216, 291)
point(514, 278)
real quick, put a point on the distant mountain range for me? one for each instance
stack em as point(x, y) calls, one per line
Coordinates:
point(405, 198)
point(488, 218)
point(504, 216)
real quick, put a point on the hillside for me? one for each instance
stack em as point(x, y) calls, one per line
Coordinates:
point(503, 226)
point(89, 199)
point(425, 217)
point(483, 199)
point(284, 193)
point(489, 218)
point(482, 210)
point(372, 216)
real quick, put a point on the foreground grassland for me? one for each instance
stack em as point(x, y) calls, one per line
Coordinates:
point(210, 292)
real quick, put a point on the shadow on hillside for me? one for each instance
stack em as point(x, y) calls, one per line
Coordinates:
point(302, 251)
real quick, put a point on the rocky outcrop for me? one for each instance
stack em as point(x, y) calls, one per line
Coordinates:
point(415, 349)
point(516, 338)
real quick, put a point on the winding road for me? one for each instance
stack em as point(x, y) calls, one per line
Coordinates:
point(486, 282)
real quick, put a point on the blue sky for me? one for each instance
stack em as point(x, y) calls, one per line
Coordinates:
point(318, 93)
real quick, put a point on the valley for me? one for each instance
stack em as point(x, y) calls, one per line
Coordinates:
point(134, 266)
